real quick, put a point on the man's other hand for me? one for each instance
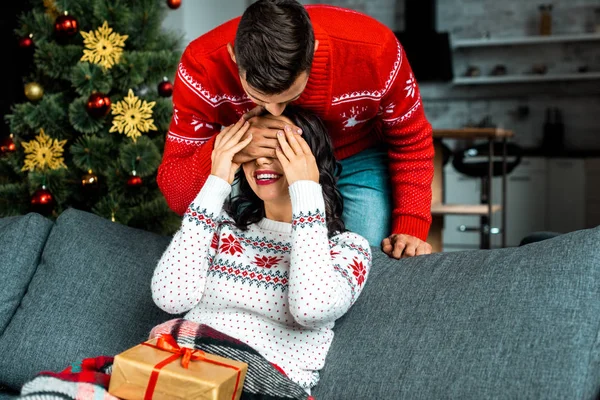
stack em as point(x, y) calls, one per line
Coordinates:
point(403, 246)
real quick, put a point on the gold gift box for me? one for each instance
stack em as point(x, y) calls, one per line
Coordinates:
point(212, 378)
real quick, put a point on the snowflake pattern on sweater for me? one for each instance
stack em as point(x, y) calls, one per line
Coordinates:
point(279, 287)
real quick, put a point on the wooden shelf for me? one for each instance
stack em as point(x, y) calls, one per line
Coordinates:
point(472, 133)
point(486, 80)
point(463, 209)
point(525, 40)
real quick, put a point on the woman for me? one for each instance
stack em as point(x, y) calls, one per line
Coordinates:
point(274, 267)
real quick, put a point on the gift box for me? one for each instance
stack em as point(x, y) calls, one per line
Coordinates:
point(160, 369)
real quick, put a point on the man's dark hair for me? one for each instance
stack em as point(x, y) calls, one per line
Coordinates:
point(274, 43)
point(247, 208)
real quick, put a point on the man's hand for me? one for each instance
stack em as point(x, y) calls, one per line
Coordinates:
point(263, 129)
point(403, 246)
point(227, 144)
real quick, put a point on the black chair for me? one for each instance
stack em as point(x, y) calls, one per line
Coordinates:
point(486, 161)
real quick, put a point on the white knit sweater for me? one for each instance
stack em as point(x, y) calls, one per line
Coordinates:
point(278, 287)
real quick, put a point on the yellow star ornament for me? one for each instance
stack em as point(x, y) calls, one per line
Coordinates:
point(132, 116)
point(43, 152)
point(103, 46)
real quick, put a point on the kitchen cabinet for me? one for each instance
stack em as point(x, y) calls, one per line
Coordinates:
point(525, 205)
point(543, 194)
point(565, 194)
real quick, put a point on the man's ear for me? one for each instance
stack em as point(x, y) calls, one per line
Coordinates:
point(316, 45)
point(231, 52)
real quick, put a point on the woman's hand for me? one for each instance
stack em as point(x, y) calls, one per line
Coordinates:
point(227, 144)
point(296, 158)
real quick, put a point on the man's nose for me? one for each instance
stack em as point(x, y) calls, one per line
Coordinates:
point(275, 109)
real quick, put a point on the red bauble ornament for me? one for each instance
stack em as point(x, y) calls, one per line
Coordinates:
point(174, 4)
point(165, 88)
point(98, 105)
point(7, 145)
point(66, 26)
point(42, 201)
point(26, 42)
point(134, 180)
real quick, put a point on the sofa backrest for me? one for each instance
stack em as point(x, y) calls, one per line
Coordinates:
point(514, 323)
point(89, 295)
point(22, 239)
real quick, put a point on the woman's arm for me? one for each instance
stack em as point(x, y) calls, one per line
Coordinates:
point(326, 276)
point(179, 278)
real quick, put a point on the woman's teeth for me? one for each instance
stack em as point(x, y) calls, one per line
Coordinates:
point(266, 176)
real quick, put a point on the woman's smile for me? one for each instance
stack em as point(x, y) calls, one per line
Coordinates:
point(266, 177)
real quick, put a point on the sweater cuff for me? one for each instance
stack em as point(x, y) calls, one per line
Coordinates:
point(306, 196)
point(213, 194)
point(413, 226)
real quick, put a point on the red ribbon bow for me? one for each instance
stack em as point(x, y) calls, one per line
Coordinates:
point(168, 343)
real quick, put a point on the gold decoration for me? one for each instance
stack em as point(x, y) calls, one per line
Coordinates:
point(90, 179)
point(103, 46)
point(133, 116)
point(43, 152)
point(51, 9)
point(34, 91)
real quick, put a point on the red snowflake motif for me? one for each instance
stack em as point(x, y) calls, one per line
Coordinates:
point(266, 261)
point(359, 271)
point(215, 242)
point(231, 245)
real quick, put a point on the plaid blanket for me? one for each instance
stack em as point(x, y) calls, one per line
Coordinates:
point(89, 378)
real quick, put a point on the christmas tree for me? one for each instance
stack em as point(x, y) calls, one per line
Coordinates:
point(90, 131)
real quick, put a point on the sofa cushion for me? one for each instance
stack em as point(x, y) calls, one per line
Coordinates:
point(22, 238)
point(507, 323)
point(90, 296)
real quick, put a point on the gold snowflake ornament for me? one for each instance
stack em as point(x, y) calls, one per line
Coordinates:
point(43, 152)
point(103, 46)
point(132, 116)
point(51, 9)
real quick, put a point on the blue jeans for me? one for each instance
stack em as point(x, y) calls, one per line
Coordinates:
point(365, 187)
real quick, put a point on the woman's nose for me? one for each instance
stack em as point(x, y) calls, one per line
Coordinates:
point(264, 161)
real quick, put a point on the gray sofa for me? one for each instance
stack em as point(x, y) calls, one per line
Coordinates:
point(519, 323)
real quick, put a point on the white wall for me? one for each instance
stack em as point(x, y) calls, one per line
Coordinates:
point(196, 17)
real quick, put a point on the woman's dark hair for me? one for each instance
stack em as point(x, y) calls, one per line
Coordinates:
point(247, 208)
point(274, 43)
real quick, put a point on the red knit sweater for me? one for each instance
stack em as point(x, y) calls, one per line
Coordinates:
point(360, 84)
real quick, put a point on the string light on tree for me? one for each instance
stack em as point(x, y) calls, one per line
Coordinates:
point(98, 105)
point(165, 88)
point(65, 26)
point(174, 4)
point(34, 91)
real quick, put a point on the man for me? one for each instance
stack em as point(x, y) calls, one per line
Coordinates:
point(347, 68)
